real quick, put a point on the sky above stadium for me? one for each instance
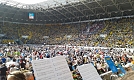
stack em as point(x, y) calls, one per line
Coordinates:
point(29, 1)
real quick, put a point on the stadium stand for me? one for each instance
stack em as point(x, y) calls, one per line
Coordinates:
point(84, 31)
point(117, 33)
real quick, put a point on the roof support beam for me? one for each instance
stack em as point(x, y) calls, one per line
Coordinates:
point(132, 5)
point(53, 14)
point(117, 6)
point(4, 16)
point(104, 9)
point(88, 8)
point(43, 13)
point(49, 12)
point(15, 13)
point(78, 9)
point(60, 4)
point(68, 11)
point(60, 13)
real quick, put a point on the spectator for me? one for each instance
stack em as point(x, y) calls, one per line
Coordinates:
point(13, 68)
point(12, 62)
point(16, 75)
point(28, 75)
point(3, 72)
point(3, 59)
point(23, 63)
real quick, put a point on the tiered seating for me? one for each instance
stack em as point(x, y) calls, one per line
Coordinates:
point(119, 33)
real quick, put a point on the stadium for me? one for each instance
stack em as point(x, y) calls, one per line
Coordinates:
point(84, 30)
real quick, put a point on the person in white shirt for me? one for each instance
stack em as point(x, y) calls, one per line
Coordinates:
point(13, 68)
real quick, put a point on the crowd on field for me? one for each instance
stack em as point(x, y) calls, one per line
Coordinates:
point(16, 60)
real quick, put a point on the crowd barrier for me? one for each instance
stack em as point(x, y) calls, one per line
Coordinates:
point(87, 47)
point(109, 75)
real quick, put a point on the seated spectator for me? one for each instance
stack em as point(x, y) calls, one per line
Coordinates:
point(16, 75)
point(3, 72)
point(13, 68)
point(12, 62)
point(3, 59)
point(29, 75)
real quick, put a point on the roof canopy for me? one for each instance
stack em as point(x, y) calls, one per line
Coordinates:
point(63, 11)
point(44, 5)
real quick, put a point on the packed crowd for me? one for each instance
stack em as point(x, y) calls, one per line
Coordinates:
point(16, 60)
point(117, 33)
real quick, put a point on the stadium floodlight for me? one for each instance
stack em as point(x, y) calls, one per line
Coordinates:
point(29, 1)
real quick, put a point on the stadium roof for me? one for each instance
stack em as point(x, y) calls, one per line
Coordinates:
point(29, 1)
point(44, 5)
point(63, 11)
